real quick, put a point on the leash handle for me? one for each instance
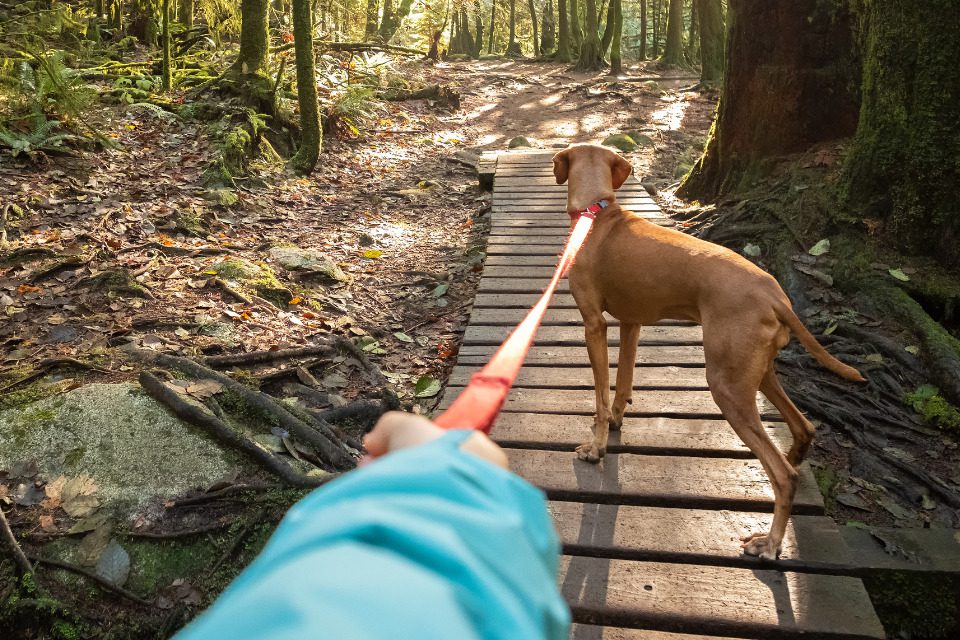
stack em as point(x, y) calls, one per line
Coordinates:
point(480, 403)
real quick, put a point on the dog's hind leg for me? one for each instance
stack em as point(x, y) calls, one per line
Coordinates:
point(629, 336)
point(801, 429)
point(735, 368)
point(595, 328)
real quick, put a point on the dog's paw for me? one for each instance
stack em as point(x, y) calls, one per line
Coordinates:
point(589, 452)
point(615, 422)
point(759, 544)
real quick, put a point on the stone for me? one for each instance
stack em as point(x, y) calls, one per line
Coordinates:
point(621, 141)
point(132, 446)
point(518, 142)
point(296, 259)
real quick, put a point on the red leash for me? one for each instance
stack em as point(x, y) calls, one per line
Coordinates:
point(479, 404)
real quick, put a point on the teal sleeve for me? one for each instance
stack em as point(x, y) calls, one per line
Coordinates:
point(429, 542)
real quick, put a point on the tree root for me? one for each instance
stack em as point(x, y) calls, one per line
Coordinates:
point(105, 584)
point(237, 542)
point(390, 400)
point(323, 439)
point(174, 535)
point(178, 251)
point(44, 367)
point(196, 416)
point(233, 293)
point(223, 493)
point(365, 412)
point(19, 557)
point(259, 357)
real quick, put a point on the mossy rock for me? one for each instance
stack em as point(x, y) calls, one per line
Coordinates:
point(621, 141)
point(131, 446)
point(640, 138)
point(519, 142)
point(682, 170)
point(309, 261)
point(255, 278)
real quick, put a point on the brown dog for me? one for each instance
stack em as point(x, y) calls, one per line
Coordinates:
point(640, 273)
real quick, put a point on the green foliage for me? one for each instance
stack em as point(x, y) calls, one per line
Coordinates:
point(927, 401)
point(352, 108)
point(41, 136)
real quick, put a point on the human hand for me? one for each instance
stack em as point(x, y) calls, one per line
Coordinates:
point(398, 430)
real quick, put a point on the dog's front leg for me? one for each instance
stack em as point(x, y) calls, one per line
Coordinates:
point(596, 335)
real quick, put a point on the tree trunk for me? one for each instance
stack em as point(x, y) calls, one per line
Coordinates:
point(673, 51)
point(166, 72)
point(642, 54)
point(513, 47)
point(903, 167)
point(655, 49)
point(576, 33)
point(370, 27)
point(533, 19)
point(616, 65)
point(591, 57)
point(304, 161)
point(563, 37)
point(493, 25)
point(185, 15)
point(466, 38)
point(254, 37)
point(787, 85)
point(692, 50)
point(478, 19)
point(711, 40)
point(548, 35)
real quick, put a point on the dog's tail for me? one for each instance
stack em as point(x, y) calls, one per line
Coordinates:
point(814, 348)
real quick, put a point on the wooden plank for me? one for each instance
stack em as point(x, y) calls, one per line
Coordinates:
point(537, 199)
point(667, 403)
point(649, 436)
point(582, 377)
point(519, 285)
point(519, 300)
point(542, 274)
point(647, 355)
point(594, 632)
point(717, 600)
point(553, 317)
point(546, 336)
point(690, 536)
point(665, 481)
point(552, 240)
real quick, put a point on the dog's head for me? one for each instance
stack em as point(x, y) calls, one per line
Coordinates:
point(591, 159)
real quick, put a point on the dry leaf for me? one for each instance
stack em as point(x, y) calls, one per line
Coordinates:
point(204, 388)
point(46, 523)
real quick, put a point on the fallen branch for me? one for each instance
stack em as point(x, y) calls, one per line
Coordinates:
point(106, 584)
point(178, 251)
point(199, 417)
point(259, 357)
point(239, 297)
point(353, 47)
point(19, 557)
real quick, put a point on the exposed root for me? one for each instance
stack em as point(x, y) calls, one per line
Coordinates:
point(259, 357)
point(103, 583)
point(19, 557)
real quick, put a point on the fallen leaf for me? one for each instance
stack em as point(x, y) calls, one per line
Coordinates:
point(77, 496)
point(402, 337)
point(440, 290)
point(204, 388)
point(820, 248)
point(912, 349)
point(427, 387)
point(114, 564)
point(854, 501)
point(752, 250)
point(46, 523)
point(372, 254)
point(899, 275)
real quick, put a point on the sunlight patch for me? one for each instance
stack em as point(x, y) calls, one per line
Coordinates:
point(671, 116)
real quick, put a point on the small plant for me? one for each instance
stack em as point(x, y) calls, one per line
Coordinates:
point(41, 137)
point(352, 108)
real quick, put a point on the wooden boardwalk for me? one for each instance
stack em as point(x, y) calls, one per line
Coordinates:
point(650, 535)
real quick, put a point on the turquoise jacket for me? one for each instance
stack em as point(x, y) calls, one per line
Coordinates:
point(429, 542)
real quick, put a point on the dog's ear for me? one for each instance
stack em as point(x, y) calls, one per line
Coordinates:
point(561, 166)
point(621, 170)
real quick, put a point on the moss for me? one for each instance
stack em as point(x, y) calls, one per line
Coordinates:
point(927, 401)
point(155, 565)
point(915, 605)
point(829, 485)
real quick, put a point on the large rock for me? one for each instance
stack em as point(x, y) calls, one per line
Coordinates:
point(133, 448)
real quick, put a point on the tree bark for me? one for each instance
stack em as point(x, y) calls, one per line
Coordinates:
point(787, 85)
point(673, 50)
point(254, 37)
point(642, 53)
point(166, 71)
point(548, 35)
point(656, 28)
point(478, 19)
point(563, 37)
point(576, 33)
point(903, 167)
point(711, 40)
point(692, 50)
point(493, 25)
point(533, 20)
point(591, 57)
point(513, 47)
point(616, 64)
point(304, 161)
point(186, 13)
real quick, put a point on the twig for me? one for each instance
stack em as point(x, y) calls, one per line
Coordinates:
point(218, 282)
point(259, 357)
point(178, 251)
point(196, 416)
point(19, 557)
point(222, 493)
point(172, 535)
point(106, 584)
point(44, 367)
point(244, 533)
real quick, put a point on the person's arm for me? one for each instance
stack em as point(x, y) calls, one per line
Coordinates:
point(431, 541)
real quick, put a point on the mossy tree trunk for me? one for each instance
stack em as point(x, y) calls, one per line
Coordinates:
point(903, 167)
point(563, 33)
point(711, 40)
point(306, 157)
point(692, 50)
point(391, 19)
point(254, 38)
point(185, 15)
point(788, 84)
point(478, 21)
point(673, 50)
point(548, 34)
point(533, 20)
point(493, 25)
point(576, 33)
point(655, 29)
point(591, 55)
point(616, 63)
point(370, 28)
point(167, 64)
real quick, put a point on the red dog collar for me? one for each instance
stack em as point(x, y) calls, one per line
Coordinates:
point(592, 210)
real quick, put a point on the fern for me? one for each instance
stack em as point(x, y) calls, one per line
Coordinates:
point(153, 109)
point(42, 137)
